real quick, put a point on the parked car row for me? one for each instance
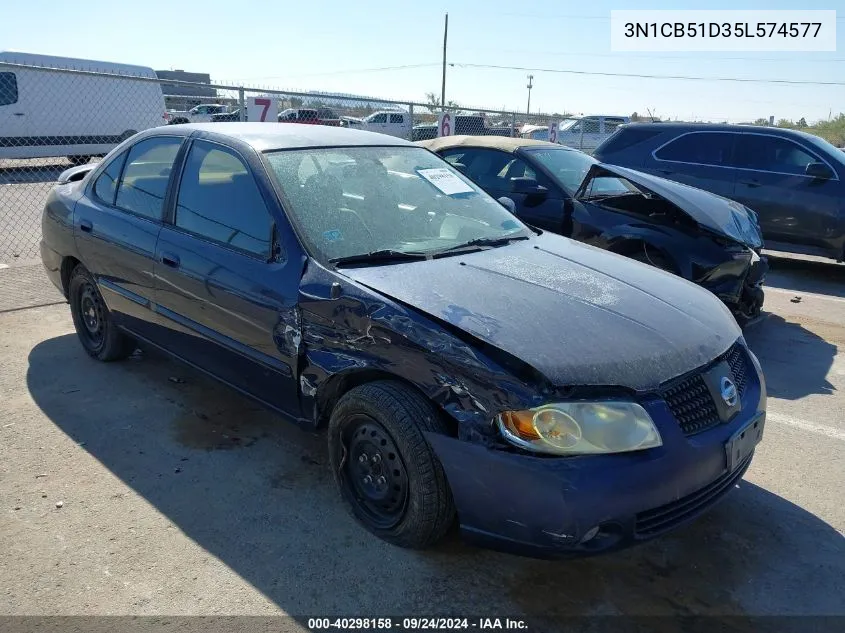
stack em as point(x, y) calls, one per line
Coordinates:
point(704, 238)
point(794, 181)
point(553, 398)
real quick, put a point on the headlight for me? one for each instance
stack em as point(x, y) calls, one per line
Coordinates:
point(578, 428)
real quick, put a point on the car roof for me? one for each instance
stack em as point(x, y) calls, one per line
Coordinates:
point(271, 136)
point(716, 127)
point(503, 143)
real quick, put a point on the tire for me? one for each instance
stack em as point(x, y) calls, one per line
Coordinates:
point(94, 326)
point(376, 431)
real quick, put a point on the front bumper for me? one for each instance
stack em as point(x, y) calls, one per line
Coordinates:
point(550, 507)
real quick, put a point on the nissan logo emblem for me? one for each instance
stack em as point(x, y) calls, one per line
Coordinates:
point(728, 391)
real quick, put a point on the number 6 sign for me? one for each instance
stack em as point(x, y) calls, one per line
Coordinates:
point(444, 124)
point(258, 109)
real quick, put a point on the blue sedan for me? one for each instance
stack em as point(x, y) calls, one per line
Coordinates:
point(553, 398)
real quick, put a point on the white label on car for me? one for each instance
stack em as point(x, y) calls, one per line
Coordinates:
point(445, 180)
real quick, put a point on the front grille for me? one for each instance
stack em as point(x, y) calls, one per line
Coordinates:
point(658, 520)
point(690, 401)
point(692, 405)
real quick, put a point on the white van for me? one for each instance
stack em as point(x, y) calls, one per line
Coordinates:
point(392, 122)
point(50, 113)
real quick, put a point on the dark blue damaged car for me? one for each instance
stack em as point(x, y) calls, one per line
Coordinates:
point(551, 398)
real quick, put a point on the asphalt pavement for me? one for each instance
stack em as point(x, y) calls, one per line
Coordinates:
point(143, 488)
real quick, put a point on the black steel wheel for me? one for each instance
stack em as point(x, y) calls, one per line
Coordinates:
point(376, 475)
point(385, 469)
point(92, 319)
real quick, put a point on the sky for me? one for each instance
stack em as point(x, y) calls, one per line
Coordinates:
point(339, 45)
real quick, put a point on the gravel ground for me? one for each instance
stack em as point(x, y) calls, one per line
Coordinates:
point(143, 488)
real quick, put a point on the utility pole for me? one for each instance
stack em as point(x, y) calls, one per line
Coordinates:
point(443, 86)
point(530, 85)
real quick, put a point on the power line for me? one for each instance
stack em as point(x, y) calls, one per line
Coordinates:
point(644, 76)
point(346, 72)
point(629, 56)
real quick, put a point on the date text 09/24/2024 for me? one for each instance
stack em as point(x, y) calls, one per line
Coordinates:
point(416, 624)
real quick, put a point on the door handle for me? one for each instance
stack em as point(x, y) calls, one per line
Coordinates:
point(18, 113)
point(170, 259)
point(86, 225)
point(666, 172)
point(750, 183)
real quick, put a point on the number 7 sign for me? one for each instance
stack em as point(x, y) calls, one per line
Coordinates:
point(258, 109)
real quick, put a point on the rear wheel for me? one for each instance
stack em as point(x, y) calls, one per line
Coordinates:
point(94, 326)
point(385, 470)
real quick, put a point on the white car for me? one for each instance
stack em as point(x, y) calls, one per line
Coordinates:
point(392, 122)
point(587, 133)
point(45, 113)
point(199, 114)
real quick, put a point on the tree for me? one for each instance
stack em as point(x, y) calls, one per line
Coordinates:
point(295, 102)
point(802, 122)
point(635, 117)
point(761, 121)
point(432, 101)
point(785, 123)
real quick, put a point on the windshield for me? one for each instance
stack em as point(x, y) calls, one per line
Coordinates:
point(350, 201)
point(569, 167)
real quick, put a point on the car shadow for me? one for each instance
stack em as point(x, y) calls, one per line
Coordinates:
point(782, 346)
point(256, 493)
point(32, 173)
point(806, 275)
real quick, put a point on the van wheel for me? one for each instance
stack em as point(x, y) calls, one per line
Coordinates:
point(385, 470)
point(92, 320)
point(78, 160)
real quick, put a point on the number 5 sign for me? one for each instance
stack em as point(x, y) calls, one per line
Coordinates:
point(259, 109)
point(444, 124)
point(553, 132)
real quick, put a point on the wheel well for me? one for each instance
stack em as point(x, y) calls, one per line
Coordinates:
point(338, 385)
point(68, 264)
point(635, 247)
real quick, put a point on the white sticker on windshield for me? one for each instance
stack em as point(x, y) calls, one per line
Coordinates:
point(445, 181)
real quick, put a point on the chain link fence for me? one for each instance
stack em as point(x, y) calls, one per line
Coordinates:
point(53, 117)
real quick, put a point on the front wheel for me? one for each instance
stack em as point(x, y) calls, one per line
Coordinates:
point(385, 470)
point(94, 325)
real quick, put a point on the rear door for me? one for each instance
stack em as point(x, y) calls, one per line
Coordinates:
point(117, 223)
point(396, 125)
point(228, 295)
point(699, 159)
point(792, 207)
point(378, 123)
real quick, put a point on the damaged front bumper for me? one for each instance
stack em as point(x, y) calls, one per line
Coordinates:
point(556, 507)
point(738, 282)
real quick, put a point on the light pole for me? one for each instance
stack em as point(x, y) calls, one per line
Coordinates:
point(530, 85)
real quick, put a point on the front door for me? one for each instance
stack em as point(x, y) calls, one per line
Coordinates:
point(229, 298)
point(792, 207)
point(13, 117)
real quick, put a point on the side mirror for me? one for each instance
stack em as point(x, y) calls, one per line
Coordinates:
point(819, 170)
point(509, 204)
point(527, 187)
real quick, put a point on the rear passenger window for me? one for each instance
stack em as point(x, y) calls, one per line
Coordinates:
point(703, 148)
point(8, 89)
point(146, 175)
point(396, 118)
point(769, 153)
point(106, 185)
point(220, 201)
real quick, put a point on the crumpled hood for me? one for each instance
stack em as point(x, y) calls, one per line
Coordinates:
point(577, 314)
point(712, 211)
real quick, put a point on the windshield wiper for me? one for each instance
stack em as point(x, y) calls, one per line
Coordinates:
point(381, 255)
point(482, 241)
